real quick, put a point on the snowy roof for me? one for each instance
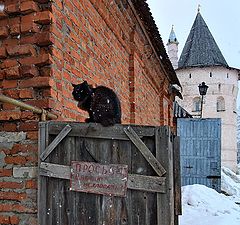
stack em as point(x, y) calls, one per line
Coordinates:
point(145, 15)
point(200, 48)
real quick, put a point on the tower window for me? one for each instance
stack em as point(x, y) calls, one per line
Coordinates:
point(210, 74)
point(220, 104)
point(196, 104)
point(219, 87)
point(227, 75)
point(190, 75)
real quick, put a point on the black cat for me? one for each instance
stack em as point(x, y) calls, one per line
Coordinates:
point(101, 103)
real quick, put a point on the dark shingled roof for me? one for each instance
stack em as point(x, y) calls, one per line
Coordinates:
point(200, 48)
point(145, 15)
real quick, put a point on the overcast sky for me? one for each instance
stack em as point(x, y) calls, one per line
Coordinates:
point(221, 16)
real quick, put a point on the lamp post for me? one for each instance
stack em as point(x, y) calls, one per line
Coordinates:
point(203, 91)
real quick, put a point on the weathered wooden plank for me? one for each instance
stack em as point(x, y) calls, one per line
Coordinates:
point(135, 182)
point(141, 200)
point(159, 169)
point(64, 132)
point(147, 183)
point(164, 153)
point(177, 176)
point(94, 130)
point(55, 170)
point(67, 153)
point(42, 182)
point(122, 154)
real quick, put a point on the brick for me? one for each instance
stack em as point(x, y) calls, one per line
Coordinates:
point(28, 126)
point(14, 219)
point(12, 8)
point(28, 115)
point(14, 25)
point(9, 63)
point(10, 41)
point(41, 60)
point(25, 93)
point(4, 219)
point(29, 27)
point(36, 82)
point(41, 103)
point(10, 195)
point(9, 219)
point(15, 29)
point(12, 93)
point(29, 71)
point(11, 185)
point(16, 208)
point(31, 184)
point(9, 127)
point(43, 18)
point(3, 53)
point(10, 115)
point(3, 32)
point(5, 172)
point(44, 38)
point(25, 172)
point(9, 83)
point(32, 135)
point(21, 50)
point(16, 160)
point(28, 7)
point(12, 73)
point(17, 148)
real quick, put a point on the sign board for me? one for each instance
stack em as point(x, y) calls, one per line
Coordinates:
point(99, 179)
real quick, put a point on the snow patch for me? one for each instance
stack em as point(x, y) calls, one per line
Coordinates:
point(204, 206)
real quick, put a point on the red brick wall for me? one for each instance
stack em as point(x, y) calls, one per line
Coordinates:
point(44, 47)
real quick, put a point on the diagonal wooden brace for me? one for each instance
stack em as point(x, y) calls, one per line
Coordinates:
point(156, 165)
point(55, 142)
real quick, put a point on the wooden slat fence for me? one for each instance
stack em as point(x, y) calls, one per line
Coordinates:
point(152, 185)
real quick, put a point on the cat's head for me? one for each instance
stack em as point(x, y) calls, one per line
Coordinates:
point(81, 91)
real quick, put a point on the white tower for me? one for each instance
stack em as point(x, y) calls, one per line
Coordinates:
point(202, 61)
point(172, 48)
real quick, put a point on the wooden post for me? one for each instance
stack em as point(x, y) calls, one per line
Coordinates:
point(42, 202)
point(177, 179)
point(164, 153)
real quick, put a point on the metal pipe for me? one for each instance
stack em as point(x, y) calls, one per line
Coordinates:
point(23, 105)
point(201, 107)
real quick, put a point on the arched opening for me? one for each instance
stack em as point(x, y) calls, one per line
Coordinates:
point(196, 104)
point(220, 104)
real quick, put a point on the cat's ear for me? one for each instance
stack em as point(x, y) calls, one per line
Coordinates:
point(74, 85)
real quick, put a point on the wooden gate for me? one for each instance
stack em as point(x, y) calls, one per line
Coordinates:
point(152, 185)
point(200, 150)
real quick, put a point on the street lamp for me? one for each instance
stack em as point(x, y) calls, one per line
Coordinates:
point(203, 91)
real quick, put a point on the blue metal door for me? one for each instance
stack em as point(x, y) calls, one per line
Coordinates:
point(200, 151)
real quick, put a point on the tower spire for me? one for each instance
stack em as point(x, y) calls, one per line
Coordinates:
point(173, 48)
point(200, 48)
point(199, 7)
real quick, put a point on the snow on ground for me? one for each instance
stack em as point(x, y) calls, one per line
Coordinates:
point(204, 206)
